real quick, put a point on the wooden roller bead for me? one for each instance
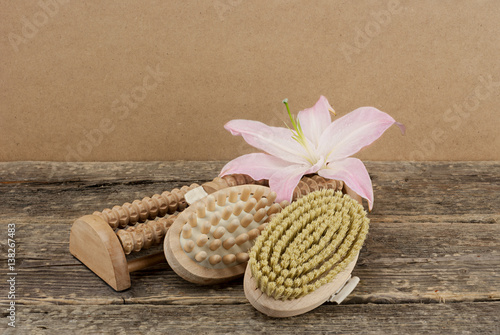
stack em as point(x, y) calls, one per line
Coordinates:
point(315, 183)
point(144, 235)
point(147, 235)
point(142, 209)
point(231, 180)
point(220, 183)
point(162, 204)
point(236, 179)
point(147, 208)
point(133, 214)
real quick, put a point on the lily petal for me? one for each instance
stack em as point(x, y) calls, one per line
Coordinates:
point(284, 181)
point(349, 134)
point(314, 120)
point(275, 141)
point(353, 172)
point(257, 165)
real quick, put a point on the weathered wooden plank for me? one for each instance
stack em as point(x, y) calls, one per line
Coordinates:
point(36, 171)
point(434, 238)
point(404, 191)
point(399, 263)
point(457, 318)
point(59, 172)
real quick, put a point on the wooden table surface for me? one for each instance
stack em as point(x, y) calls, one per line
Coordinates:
point(431, 262)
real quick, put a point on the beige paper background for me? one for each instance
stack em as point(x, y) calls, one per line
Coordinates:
point(427, 63)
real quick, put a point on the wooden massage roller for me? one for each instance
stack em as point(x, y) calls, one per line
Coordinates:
point(102, 240)
point(305, 254)
point(310, 184)
point(209, 241)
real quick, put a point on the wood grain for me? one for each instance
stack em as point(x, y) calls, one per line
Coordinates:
point(458, 318)
point(430, 263)
point(404, 191)
point(427, 263)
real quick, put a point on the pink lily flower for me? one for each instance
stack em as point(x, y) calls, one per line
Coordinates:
point(317, 145)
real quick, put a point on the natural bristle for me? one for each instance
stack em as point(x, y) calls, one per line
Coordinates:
point(307, 244)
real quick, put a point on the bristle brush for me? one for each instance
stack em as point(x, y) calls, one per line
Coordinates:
point(305, 254)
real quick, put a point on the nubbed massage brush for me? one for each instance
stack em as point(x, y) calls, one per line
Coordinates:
point(305, 254)
point(209, 241)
